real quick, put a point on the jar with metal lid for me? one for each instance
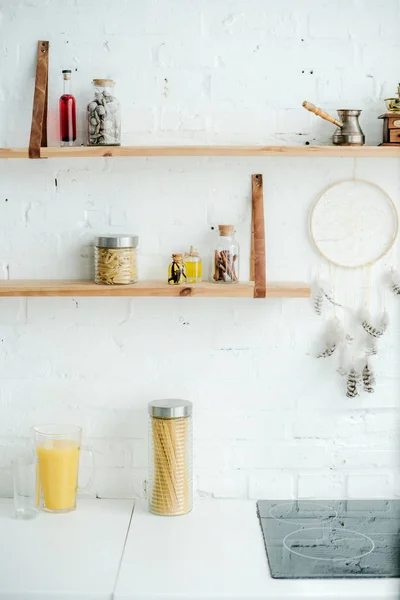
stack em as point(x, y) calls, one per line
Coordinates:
point(104, 115)
point(115, 259)
point(170, 484)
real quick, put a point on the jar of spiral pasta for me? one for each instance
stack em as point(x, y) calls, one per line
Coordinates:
point(115, 259)
point(170, 483)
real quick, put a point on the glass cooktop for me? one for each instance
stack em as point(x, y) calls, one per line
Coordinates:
point(323, 538)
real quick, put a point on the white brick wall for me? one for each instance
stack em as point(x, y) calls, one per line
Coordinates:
point(270, 421)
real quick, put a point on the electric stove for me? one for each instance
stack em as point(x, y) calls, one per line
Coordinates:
point(329, 539)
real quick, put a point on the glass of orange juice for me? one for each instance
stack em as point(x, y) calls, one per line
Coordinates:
point(58, 449)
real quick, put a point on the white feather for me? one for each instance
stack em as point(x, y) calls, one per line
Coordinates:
point(395, 281)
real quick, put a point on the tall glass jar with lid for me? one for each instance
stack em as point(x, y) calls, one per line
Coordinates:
point(103, 115)
point(225, 257)
point(170, 484)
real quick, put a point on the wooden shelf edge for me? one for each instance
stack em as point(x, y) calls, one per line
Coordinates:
point(182, 151)
point(76, 288)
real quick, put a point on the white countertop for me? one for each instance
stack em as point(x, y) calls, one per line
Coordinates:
point(214, 553)
point(217, 553)
point(75, 556)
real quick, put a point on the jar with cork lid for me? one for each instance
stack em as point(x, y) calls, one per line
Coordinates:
point(194, 265)
point(225, 256)
point(177, 270)
point(103, 115)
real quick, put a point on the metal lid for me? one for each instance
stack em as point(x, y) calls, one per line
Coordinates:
point(125, 240)
point(170, 409)
point(103, 82)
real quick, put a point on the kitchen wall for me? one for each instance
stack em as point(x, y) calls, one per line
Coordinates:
point(270, 419)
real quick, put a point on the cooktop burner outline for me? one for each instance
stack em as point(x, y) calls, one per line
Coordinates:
point(303, 555)
point(313, 520)
point(306, 539)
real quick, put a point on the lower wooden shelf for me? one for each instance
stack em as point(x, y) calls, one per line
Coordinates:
point(54, 287)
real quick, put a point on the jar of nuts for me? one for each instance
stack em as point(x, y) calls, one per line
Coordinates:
point(115, 259)
point(104, 115)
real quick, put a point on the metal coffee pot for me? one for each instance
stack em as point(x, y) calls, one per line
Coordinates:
point(348, 132)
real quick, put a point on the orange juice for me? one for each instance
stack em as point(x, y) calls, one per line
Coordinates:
point(58, 473)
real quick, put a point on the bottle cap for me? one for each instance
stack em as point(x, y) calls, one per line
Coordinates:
point(103, 82)
point(178, 256)
point(66, 73)
point(226, 229)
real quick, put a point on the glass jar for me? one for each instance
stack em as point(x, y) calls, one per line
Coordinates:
point(225, 257)
point(194, 265)
point(177, 270)
point(115, 259)
point(103, 115)
point(170, 483)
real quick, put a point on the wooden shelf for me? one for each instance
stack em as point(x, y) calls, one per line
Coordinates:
point(98, 152)
point(147, 288)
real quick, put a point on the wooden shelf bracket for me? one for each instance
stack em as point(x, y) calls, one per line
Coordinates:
point(38, 137)
point(257, 257)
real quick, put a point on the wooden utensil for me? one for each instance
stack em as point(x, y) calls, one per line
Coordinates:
point(321, 113)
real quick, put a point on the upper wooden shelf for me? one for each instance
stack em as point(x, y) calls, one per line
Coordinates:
point(101, 151)
point(148, 288)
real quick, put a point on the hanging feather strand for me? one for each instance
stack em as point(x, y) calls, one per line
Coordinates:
point(352, 384)
point(344, 360)
point(327, 292)
point(375, 332)
point(317, 298)
point(395, 282)
point(328, 351)
point(334, 334)
point(371, 348)
point(368, 379)
point(322, 291)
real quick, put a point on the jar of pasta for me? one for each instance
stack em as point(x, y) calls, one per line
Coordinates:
point(170, 484)
point(115, 259)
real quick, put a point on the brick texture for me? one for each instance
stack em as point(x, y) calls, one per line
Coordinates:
point(270, 421)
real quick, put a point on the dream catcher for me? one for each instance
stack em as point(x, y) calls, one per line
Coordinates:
point(354, 226)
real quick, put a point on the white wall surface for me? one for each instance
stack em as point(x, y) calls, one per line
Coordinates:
point(270, 420)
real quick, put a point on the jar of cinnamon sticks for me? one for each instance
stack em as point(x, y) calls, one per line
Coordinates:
point(170, 485)
point(225, 267)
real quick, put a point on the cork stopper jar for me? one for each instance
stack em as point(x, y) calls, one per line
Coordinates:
point(177, 270)
point(103, 115)
point(225, 256)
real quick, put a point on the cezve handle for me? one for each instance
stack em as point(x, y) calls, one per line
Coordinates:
point(321, 113)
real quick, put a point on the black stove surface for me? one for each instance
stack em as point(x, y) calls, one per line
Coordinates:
point(329, 539)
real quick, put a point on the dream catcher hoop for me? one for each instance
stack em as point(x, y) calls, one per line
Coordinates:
point(353, 225)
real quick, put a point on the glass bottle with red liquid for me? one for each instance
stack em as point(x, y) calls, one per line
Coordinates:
point(67, 113)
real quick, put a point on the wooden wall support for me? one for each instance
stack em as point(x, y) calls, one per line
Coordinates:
point(257, 258)
point(38, 137)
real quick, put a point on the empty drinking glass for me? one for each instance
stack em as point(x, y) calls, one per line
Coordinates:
point(26, 490)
